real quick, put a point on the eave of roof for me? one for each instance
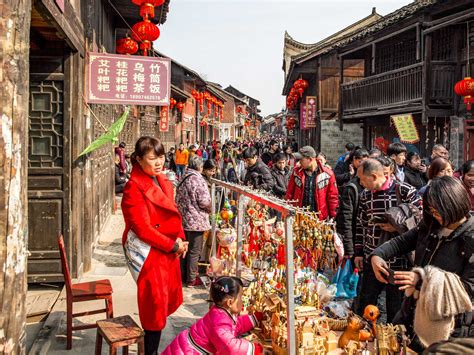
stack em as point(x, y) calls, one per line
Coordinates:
point(217, 87)
point(180, 92)
point(244, 95)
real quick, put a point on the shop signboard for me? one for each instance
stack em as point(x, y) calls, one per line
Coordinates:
point(164, 119)
point(311, 111)
point(406, 128)
point(128, 80)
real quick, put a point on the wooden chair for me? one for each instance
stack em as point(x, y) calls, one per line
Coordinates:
point(80, 292)
point(119, 332)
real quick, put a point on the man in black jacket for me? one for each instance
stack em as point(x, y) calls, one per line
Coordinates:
point(268, 156)
point(346, 218)
point(258, 174)
point(414, 175)
point(281, 175)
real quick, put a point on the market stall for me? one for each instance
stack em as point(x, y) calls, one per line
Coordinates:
point(253, 236)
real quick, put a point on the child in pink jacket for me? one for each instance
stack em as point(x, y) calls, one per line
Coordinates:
point(217, 332)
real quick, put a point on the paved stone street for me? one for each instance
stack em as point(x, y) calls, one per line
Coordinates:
point(109, 262)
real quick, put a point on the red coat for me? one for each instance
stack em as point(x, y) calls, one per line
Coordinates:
point(326, 193)
point(150, 211)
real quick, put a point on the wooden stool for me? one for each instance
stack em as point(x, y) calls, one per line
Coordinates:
point(119, 332)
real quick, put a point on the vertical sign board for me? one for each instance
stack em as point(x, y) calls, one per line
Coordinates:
point(406, 128)
point(128, 80)
point(302, 116)
point(164, 119)
point(311, 112)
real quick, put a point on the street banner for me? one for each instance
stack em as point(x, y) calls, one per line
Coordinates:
point(311, 111)
point(164, 119)
point(406, 128)
point(303, 116)
point(125, 79)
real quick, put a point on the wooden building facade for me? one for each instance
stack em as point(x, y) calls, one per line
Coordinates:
point(412, 59)
point(318, 64)
point(68, 194)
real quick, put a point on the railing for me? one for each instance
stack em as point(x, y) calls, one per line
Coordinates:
point(399, 87)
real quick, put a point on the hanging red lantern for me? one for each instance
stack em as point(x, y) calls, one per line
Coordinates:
point(465, 88)
point(126, 46)
point(301, 83)
point(145, 32)
point(209, 105)
point(195, 94)
point(180, 106)
point(172, 103)
point(147, 7)
point(201, 107)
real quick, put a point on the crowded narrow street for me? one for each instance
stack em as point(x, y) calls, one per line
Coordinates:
point(237, 177)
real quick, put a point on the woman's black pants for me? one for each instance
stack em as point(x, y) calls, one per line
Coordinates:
point(152, 341)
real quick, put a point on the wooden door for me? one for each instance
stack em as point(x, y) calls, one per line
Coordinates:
point(48, 168)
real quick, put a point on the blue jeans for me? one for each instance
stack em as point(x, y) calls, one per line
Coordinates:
point(180, 170)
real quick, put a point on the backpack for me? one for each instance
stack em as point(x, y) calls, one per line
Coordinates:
point(405, 216)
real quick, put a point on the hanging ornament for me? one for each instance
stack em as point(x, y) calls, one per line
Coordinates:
point(145, 32)
point(126, 46)
point(180, 106)
point(147, 7)
point(195, 94)
point(172, 103)
point(465, 88)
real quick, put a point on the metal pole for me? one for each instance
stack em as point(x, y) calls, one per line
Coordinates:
point(213, 219)
point(240, 224)
point(290, 285)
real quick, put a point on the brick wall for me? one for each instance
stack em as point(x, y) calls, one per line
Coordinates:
point(333, 140)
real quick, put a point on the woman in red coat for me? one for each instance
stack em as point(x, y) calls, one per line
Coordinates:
point(153, 239)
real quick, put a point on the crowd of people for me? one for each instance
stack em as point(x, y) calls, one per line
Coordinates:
point(405, 223)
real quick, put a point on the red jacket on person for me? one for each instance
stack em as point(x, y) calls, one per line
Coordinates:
point(326, 193)
point(150, 211)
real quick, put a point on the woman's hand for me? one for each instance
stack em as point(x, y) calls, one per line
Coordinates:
point(406, 279)
point(380, 268)
point(182, 247)
point(387, 227)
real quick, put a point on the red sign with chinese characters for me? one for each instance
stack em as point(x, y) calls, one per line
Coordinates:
point(125, 79)
point(310, 112)
point(164, 119)
point(303, 116)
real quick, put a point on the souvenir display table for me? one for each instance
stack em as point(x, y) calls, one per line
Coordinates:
point(252, 238)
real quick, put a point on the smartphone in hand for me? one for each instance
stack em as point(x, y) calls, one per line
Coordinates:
point(391, 277)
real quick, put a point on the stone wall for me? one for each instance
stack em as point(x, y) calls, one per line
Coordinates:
point(333, 140)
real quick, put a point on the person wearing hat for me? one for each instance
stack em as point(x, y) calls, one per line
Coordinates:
point(313, 186)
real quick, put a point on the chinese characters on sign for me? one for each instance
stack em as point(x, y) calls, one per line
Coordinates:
point(406, 128)
point(302, 116)
point(123, 79)
point(164, 119)
point(310, 112)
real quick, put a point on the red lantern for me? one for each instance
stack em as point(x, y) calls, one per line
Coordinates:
point(180, 106)
point(126, 46)
point(465, 88)
point(147, 7)
point(301, 83)
point(201, 107)
point(300, 91)
point(195, 94)
point(172, 103)
point(145, 32)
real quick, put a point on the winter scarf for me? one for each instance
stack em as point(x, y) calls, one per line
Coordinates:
point(442, 296)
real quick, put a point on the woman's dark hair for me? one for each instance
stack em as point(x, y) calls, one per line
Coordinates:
point(467, 167)
point(412, 155)
point(350, 146)
point(145, 145)
point(375, 151)
point(225, 287)
point(209, 164)
point(437, 165)
point(448, 196)
point(249, 153)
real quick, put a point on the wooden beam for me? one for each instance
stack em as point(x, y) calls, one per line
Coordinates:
point(383, 38)
point(426, 81)
point(445, 19)
point(341, 81)
point(448, 23)
point(418, 42)
point(14, 95)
